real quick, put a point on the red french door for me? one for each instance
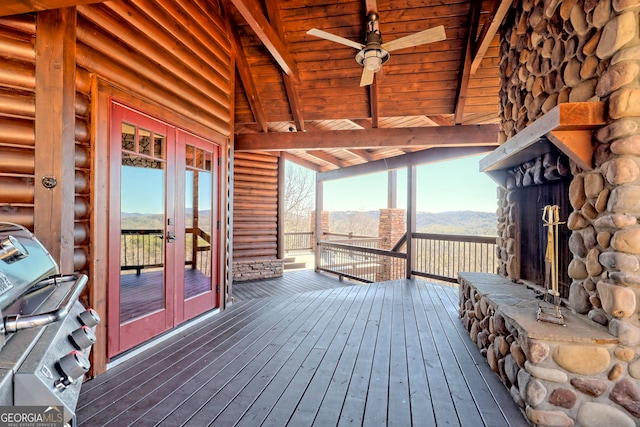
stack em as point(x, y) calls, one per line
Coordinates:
point(163, 235)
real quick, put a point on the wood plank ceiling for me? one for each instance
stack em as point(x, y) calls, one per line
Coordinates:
point(291, 83)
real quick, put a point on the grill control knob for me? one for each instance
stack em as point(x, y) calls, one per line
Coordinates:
point(83, 337)
point(89, 318)
point(74, 365)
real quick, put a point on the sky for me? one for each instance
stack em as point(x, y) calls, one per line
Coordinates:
point(444, 186)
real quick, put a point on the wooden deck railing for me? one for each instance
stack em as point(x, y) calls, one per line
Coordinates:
point(436, 256)
point(299, 241)
point(360, 263)
point(144, 248)
point(442, 256)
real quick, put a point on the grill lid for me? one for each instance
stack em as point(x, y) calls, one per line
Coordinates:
point(23, 262)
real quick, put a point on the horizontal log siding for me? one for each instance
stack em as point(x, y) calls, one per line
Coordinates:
point(255, 206)
point(144, 49)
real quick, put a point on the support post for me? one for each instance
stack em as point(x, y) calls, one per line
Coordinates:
point(411, 216)
point(280, 248)
point(318, 225)
point(55, 134)
point(392, 189)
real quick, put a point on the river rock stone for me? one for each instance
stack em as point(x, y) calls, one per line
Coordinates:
point(601, 13)
point(484, 306)
point(616, 130)
point(473, 334)
point(576, 192)
point(589, 285)
point(492, 359)
point(582, 360)
point(627, 333)
point(548, 374)
point(593, 184)
point(595, 301)
point(579, 298)
point(537, 351)
point(598, 317)
point(577, 246)
point(624, 103)
point(604, 238)
point(523, 380)
point(617, 300)
point(625, 394)
point(615, 221)
point(592, 414)
point(518, 354)
point(548, 418)
point(511, 369)
point(625, 199)
point(592, 263)
point(617, 32)
point(620, 170)
point(628, 145)
point(602, 200)
point(563, 397)
point(619, 261)
point(617, 76)
point(535, 392)
point(593, 387)
point(499, 324)
point(625, 354)
point(634, 369)
point(615, 372)
point(577, 269)
point(627, 240)
point(625, 278)
point(576, 221)
point(620, 5)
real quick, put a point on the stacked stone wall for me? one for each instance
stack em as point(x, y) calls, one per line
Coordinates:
point(258, 269)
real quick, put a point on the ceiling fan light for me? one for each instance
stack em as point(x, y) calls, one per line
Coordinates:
point(372, 62)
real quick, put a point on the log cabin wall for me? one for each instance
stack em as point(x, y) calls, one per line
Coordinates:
point(255, 217)
point(554, 52)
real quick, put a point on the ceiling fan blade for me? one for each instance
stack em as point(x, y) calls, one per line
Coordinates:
point(367, 77)
point(332, 37)
point(427, 36)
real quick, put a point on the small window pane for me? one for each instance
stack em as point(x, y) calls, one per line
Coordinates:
point(189, 155)
point(128, 137)
point(199, 158)
point(159, 146)
point(208, 161)
point(144, 142)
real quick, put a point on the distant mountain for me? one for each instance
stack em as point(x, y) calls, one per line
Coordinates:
point(454, 222)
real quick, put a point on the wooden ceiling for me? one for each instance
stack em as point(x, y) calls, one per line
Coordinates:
point(297, 93)
point(294, 92)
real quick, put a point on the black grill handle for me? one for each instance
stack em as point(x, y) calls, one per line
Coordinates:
point(16, 323)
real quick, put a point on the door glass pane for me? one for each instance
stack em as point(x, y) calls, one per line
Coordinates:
point(198, 224)
point(142, 219)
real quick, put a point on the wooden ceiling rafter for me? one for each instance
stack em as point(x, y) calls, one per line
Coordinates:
point(465, 68)
point(463, 135)
point(247, 80)
point(289, 84)
point(441, 120)
point(489, 30)
point(16, 7)
point(363, 154)
point(329, 158)
point(300, 161)
point(252, 13)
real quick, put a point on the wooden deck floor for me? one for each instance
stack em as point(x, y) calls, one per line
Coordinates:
point(391, 353)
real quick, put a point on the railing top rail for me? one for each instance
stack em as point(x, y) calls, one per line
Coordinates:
point(298, 233)
point(362, 249)
point(455, 238)
point(352, 241)
point(349, 235)
point(141, 231)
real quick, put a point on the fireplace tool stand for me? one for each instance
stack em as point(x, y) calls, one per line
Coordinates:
point(551, 219)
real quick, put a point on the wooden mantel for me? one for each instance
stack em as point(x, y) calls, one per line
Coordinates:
point(568, 126)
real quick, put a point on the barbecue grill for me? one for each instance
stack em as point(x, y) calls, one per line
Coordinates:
point(45, 332)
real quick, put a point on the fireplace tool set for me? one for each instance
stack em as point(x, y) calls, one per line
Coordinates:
point(551, 219)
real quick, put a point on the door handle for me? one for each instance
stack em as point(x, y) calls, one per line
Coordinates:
point(171, 237)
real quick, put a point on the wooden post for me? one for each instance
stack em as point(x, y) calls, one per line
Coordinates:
point(55, 134)
point(411, 216)
point(280, 224)
point(392, 189)
point(318, 225)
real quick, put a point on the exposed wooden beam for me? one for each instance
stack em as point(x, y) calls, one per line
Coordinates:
point(370, 138)
point(441, 120)
point(465, 69)
point(252, 13)
point(364, 154)
point(489, 30)
point(430, 155)
point(299, 161)
point(15, 7)
point(246, 78)
point(329, 158)
point(289, 84)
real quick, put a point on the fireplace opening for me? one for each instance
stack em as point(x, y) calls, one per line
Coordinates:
point(533, 234)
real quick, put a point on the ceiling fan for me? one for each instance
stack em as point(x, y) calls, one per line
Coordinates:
point(375, 53)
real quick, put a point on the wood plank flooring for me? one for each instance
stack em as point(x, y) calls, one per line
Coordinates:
point(391, 353)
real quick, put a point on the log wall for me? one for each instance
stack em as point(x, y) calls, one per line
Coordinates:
point(255, 215)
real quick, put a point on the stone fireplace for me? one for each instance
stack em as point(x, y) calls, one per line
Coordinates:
point(570, 109)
